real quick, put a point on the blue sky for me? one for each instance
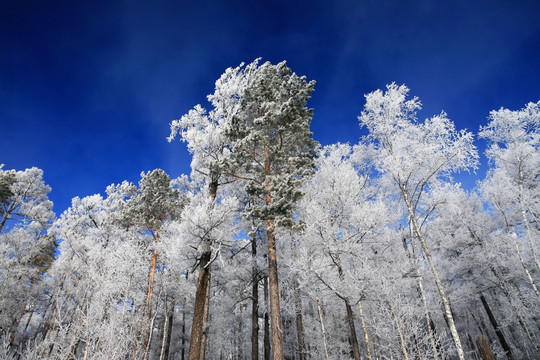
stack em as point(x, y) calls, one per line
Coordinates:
point(88, 88)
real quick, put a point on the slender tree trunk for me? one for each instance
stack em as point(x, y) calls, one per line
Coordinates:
point(4, 219)
point(239, 337)
point(350, 316)
point(444, 299)
point(299, 322)
point(300, 333)
point(6, 215)
point(506, 291)
point(167, 339)
point(429, 323)
point(498, 331)
point(352, 327)
point(400, 333)
point(522, 261)
point(49, 319)
point(83, 312)
point(419, 357)
point(524, 216)
point(323, 330)
point(183, 352)
point(521, 320)
point(28, 321)
point(364, 329)
point(150, 336)
point(375, 337)
point(255, 302)
point(513, 235)
point(150, 291)
point(164, 330)
point(266, 323)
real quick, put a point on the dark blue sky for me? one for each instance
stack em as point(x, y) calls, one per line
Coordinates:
point(88, 88)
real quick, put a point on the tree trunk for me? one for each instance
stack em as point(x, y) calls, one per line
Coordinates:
point(299, 322)
point(504, 285)
point(364, 329)
point(323, 330)
point(197, 328)
point(522, 261)
point(375, 337)
point(350, 316)
point(352, 327)
point(266, 323)
point(275, 312)
point(164, 329)
point(167, 339)
point(205, 318)
point(239, 341)
point(6, 215)
point(200, 311)
point(524, 216)
point(400, 333)
point(150, 336)
point(183, 352)
point(300, 333)
point(429, 324)
point(151, 285)
point(255, 303)
point(150, 291)
point(484, 348)
point(444, 299)
point(498, 331)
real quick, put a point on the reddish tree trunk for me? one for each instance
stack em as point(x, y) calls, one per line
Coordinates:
point(484, 348)
point(275, 312)
point(197, 327)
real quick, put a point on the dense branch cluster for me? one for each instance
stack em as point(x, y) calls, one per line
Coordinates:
point(380, 253)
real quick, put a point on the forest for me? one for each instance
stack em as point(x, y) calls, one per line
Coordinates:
point(275, 247)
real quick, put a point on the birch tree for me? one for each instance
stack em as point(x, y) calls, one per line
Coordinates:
point(513, 183)
point(413, 155)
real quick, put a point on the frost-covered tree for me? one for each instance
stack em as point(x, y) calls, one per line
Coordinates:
point(513, 183)
point(24, 197)
point(413, 155)
point(347, 250)
point(272, 149)
point(205, 137)
point(205, 221)
point(257, 131)
point(151, 205)
point(26, 250)
point(98, 281)
point(7, 178)
point(340, 221)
